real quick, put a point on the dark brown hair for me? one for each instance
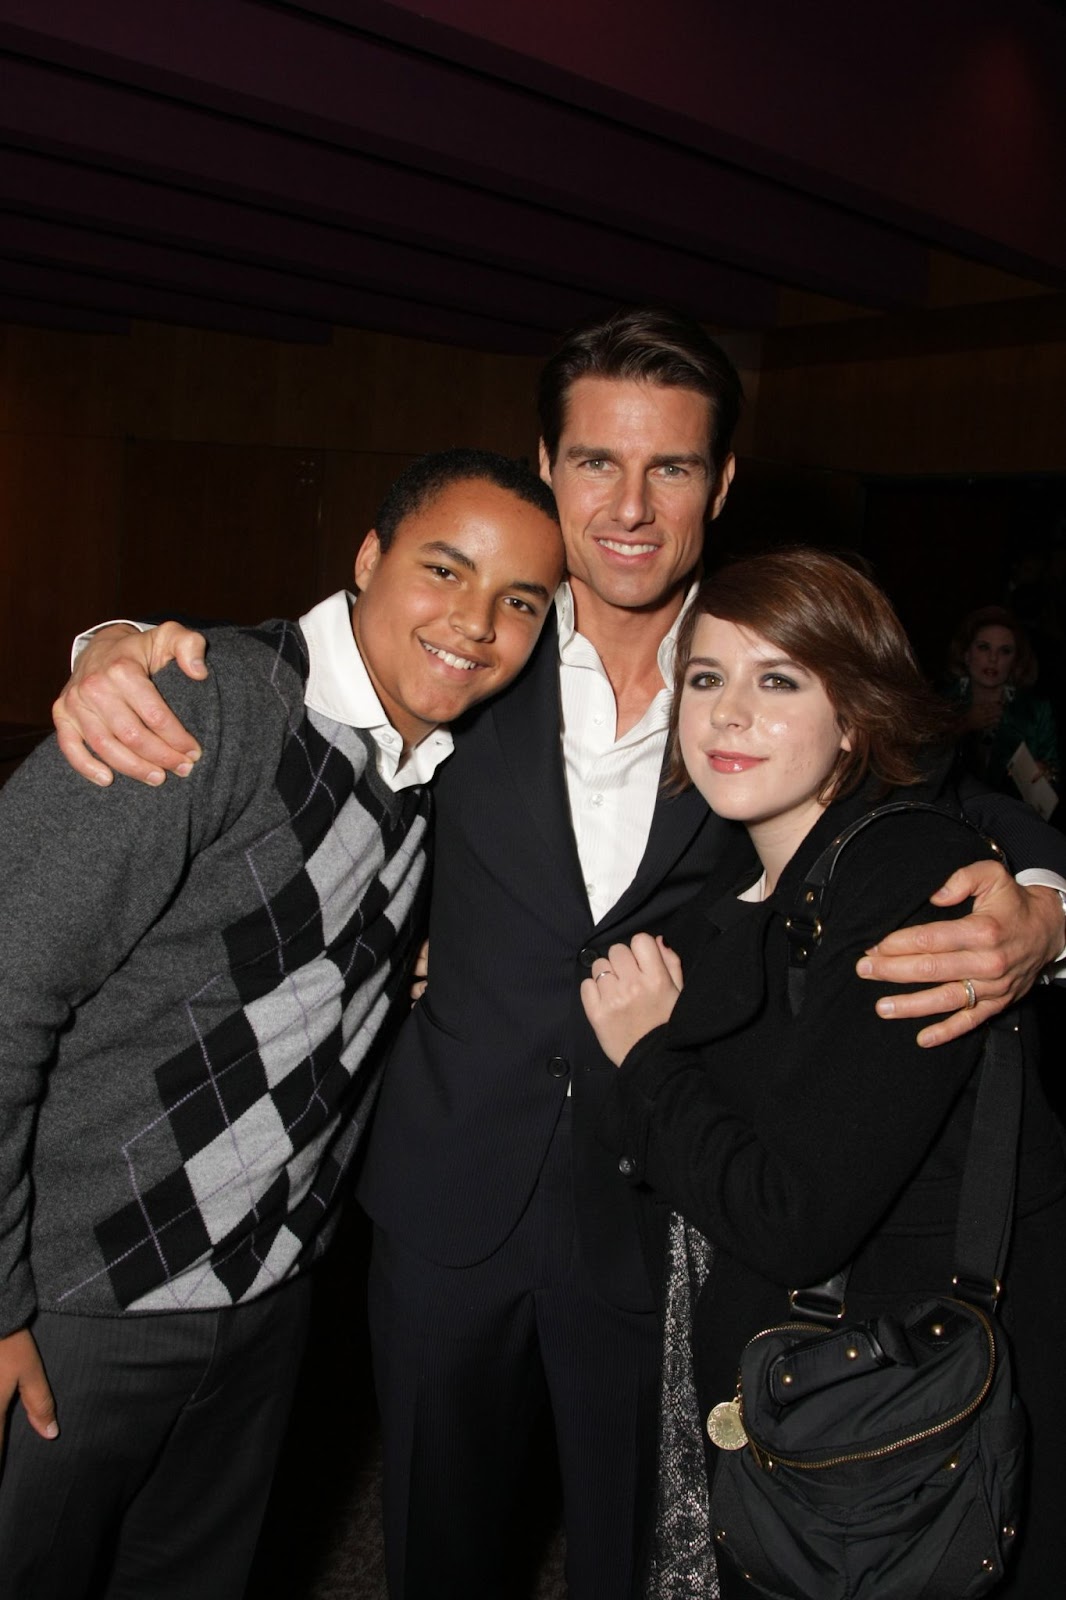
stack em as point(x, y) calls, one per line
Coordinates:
point(649, 344)
point(430, 475)
point(839, 625)
point(1024, 668)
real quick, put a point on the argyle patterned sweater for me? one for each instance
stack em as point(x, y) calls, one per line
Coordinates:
point(194, 984)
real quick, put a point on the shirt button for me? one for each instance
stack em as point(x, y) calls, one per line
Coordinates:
point(596, 800)
point(558, 1066)
point(627, 1166)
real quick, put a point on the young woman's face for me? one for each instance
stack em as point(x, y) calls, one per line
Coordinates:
point(758, 733)
point(990, 658)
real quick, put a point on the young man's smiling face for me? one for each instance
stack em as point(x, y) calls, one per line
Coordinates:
point(450, 611)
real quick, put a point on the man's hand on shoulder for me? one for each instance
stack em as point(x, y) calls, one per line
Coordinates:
point(992, 957)
point(111, 718)
point(22, 1374)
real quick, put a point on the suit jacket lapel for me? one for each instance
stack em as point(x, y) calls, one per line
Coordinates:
point(527, 723)
point(674, 824)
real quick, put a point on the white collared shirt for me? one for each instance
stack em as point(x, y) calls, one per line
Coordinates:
point(339, 686)
point(611, 783)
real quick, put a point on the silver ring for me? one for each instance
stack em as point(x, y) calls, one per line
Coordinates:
point(606, 973)
point(971, 994)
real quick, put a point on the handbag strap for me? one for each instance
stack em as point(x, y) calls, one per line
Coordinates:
point(986, 1197)
point(804, 924)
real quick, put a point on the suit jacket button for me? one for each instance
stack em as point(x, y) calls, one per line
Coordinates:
point(558, 1066)
point(588, 956)
point(627, 1166)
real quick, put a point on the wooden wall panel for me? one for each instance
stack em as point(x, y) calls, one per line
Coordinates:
point(224, 387)
point(431, 397)
point(60, 502)
point(63, 383)
point(324, 397)
point(995, 410)
point(365, 391)
point(219, 531)
point(353, 485)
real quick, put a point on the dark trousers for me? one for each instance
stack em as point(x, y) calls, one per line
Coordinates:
point(464, 1360)
point(170, 1426)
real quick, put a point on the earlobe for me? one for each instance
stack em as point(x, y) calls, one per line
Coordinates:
point(545, 464)
point(367, 558)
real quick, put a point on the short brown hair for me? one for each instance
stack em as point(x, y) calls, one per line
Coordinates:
point(649, 344)
point(1024, 668)
point(840, 626)
point(429, 475)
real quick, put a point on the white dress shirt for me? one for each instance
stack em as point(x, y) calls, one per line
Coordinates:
point(611, 783)
point(339, 686)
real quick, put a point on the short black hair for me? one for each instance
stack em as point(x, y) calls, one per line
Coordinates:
point(650, 344)
point(425, 478)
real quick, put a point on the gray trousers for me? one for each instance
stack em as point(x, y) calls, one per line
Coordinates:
point(170, 1427)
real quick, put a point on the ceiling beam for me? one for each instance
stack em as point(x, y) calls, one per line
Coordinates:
point(945, 118)
point(36, 184)
point(271, 65)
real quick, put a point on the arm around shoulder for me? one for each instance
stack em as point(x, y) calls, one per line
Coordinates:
point(110, 707)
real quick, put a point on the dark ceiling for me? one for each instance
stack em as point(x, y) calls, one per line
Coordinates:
point(487, 171)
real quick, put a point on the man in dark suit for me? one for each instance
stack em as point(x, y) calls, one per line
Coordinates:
point(507, 1263)
point(507, 1269)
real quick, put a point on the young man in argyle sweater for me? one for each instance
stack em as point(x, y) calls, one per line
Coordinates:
point(195, 983)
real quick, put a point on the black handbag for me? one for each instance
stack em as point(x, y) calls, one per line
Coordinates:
point(883, 1460)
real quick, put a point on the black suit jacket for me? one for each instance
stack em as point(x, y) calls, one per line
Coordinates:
point(478, 1078)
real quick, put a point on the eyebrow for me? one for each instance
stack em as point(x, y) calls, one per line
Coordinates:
point(763, 663)
point(679, 458)
point(683, 458)
point(461, 559)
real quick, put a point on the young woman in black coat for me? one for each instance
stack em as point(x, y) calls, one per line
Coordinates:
point(791, 1145)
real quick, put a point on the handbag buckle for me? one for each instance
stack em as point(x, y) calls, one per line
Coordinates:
point(983, 1292)
point(819, 1302)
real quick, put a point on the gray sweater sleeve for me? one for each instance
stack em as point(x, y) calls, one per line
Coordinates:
point(86, 871)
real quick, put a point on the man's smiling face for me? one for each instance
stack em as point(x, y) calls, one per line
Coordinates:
point(450, 611)
point(635, 485)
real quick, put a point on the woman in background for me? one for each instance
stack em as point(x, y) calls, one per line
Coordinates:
point(784, 1145)
point(994, 669)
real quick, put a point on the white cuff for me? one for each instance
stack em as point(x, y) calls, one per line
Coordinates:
point(142, 627)
point(1044, 878)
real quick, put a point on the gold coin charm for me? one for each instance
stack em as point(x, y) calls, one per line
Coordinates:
point(725, 1426)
